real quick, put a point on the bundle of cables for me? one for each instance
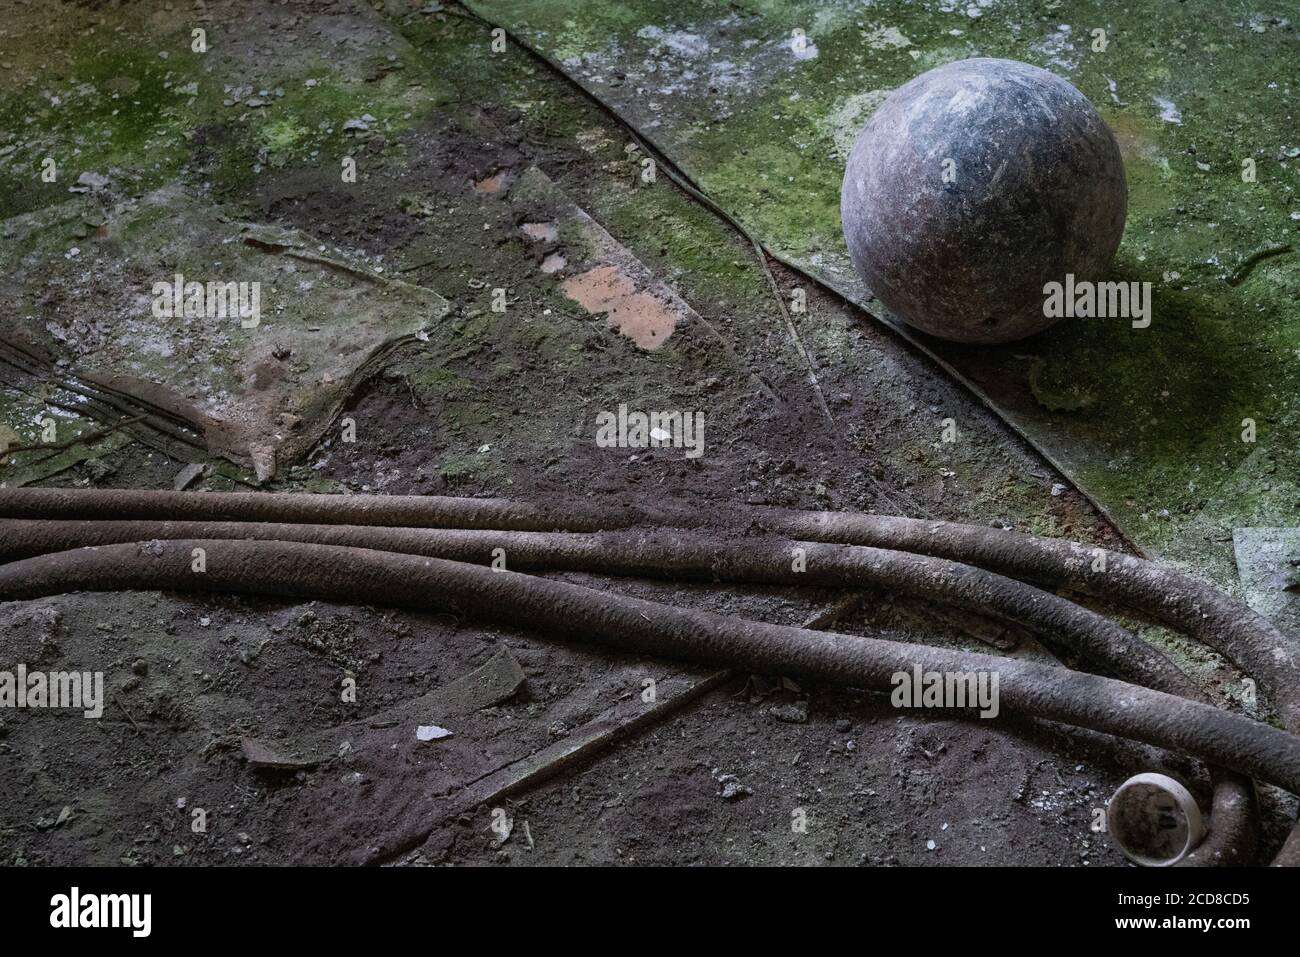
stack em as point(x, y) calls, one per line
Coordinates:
point(431, 552)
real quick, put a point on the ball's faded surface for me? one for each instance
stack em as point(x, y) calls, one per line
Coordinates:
point(974, 185)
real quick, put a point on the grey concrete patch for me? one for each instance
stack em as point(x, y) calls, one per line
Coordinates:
point(260, 381)
point(1268, 559)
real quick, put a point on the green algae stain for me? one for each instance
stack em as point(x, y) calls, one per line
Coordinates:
point(1148, 420)
point(116, 109)
point(283, 136)
point(119, 108)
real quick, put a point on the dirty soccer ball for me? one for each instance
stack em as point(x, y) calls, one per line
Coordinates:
point(973, 186)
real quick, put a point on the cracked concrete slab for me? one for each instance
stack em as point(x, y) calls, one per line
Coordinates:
point(253, 334)
point(1268, 562)
point(756, 104)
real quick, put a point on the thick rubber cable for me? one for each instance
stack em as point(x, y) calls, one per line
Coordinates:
point(408, 511)
point(1189, 605)
point(335, 573)
point(673, 555)
point(1244, 637)
point(1200, 610)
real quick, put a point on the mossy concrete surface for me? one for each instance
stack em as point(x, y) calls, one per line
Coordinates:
point(446, 135)
point(759, 102)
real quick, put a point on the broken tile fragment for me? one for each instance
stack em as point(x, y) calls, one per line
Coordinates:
point(641, 316)
point(491, 185)
point(609, 279)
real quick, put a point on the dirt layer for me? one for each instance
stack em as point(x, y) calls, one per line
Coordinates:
point(759, 770)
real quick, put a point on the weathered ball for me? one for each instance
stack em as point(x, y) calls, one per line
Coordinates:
point(973, 186)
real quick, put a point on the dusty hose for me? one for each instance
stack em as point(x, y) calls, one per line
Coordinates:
point(1131, 581)
point(1191, 606)
point(1234, 831)
point(313, 508)
point(1203, 612)
point(657, 553)
point(336, 573)
point(677, 555)
point(1246, 638)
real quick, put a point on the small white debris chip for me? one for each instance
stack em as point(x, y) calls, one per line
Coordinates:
point(540, 232)
point(431, 732)
point(732, 789)
point(89, 181)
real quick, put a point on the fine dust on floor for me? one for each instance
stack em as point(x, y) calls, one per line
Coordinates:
point(757, 770)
